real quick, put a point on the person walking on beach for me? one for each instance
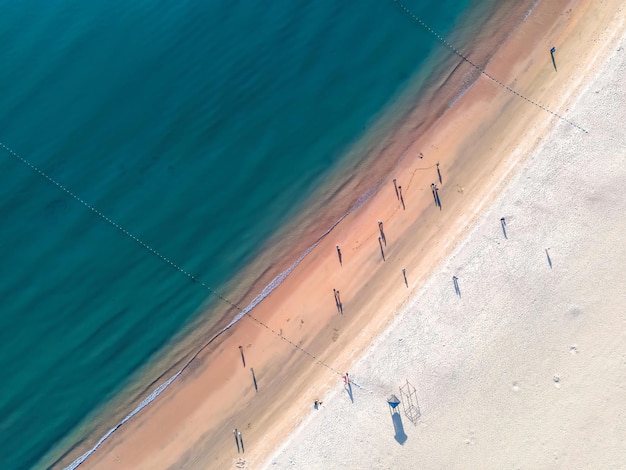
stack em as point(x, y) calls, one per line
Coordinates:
point(243, 358)
point(236, 440)
point(339, 255)
point(338, 301)
point(256, 386)
point(455, 281)
point(382, 232)
point(243, 449)
point(339, 304)
point(348, 386)
point(549, 259)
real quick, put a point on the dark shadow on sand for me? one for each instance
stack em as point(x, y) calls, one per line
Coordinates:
point(400, 436)
point(549, 259)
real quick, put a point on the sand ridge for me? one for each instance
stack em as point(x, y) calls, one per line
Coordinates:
point(190, 425)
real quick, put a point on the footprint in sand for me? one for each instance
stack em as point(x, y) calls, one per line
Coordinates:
point(574, 311)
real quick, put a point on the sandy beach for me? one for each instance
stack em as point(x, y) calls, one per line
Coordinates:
point(525, 368)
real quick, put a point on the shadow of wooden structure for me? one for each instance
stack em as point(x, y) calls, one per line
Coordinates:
point(410, 404)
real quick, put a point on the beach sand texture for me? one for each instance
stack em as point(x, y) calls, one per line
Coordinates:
point(523, 369)
point(527, 368)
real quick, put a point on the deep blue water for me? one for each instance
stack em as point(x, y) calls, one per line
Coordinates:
point(199, 126)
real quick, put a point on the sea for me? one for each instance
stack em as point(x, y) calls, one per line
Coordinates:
point(152, 152)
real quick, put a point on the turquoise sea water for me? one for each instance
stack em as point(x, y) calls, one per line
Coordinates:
point(199, 126)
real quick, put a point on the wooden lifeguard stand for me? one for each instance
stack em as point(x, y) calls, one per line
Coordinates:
point(410, 404)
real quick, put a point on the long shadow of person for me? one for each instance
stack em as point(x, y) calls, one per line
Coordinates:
point(549, 259)
point(348, 388)
point(457, 290)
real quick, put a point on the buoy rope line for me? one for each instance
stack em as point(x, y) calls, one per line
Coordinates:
point(480, 69)
point(164, 258)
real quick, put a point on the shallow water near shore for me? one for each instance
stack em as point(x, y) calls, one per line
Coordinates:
point(201, 129)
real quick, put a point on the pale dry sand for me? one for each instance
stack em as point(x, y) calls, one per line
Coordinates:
point(528, 368)
point(478, 143)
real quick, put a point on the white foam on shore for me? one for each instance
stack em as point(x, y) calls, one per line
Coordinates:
point(530, 10)
point(145, 402)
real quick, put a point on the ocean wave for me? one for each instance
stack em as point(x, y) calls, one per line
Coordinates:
point(145, 402)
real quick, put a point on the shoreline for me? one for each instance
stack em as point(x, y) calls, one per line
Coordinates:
point(392, 215)
point(188, 343)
